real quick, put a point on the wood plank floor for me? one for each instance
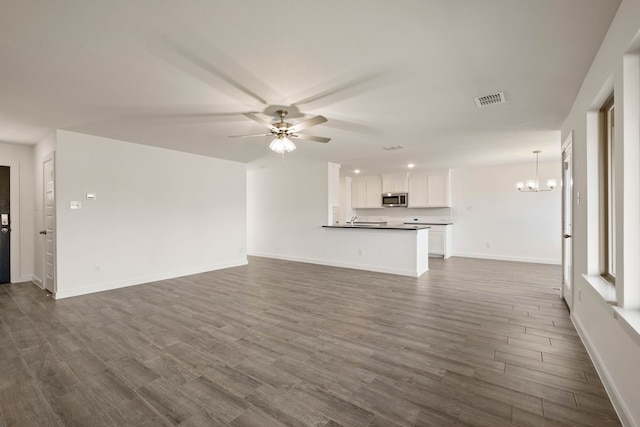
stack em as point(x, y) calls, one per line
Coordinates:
point(471, 342)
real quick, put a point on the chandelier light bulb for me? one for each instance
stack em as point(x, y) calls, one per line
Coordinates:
point(532, 185)
point(282, 145)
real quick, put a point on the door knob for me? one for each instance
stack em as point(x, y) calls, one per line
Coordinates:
point(5, 230)
point(566, 236)
point(43, 231)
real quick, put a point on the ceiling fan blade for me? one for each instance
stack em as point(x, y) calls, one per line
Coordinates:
point(262, 122)
point(249, 136)
point(308, 123)
point(311, 138)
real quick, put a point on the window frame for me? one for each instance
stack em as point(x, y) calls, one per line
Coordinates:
point(607, 184)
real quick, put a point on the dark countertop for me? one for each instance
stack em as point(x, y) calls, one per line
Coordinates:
point(380, 227)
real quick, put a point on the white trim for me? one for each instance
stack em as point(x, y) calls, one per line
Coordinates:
point(37, 282)
point(376, 269)
point(24, 278)
point(630, 321)
point(67, 293)
point(568, 141)
point(509, 258)
point(612, 392)
point(604, 289)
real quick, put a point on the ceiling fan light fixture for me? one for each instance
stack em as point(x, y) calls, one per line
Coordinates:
point(282, 145)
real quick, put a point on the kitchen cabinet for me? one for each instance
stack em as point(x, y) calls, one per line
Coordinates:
point(395, 183)
point(366, 192)
point(440, 240)
point(430, 190)
point(439, 190)
point(417, 191)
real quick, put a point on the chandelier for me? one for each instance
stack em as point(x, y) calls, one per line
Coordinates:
point(532, 185)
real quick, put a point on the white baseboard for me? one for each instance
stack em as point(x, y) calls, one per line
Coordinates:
point(67, 293)
point(37, 281)
point(25, 278)
point(612, 392)
point(376, 269)
point(508, 258)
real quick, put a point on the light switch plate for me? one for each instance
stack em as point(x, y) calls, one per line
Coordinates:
point(74, 204)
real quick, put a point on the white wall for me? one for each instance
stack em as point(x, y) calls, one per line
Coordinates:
point(158, 214)
point(612, 343)
point(287, 207)
point(487, 209)
point(18, 158)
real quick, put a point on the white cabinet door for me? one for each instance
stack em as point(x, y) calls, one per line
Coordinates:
point(438, 190)
point(358, 193)
point(394, 183)
point(417, 191)
point(436, 242)
point(366, 192)
point(440, 239)
point(374, 192)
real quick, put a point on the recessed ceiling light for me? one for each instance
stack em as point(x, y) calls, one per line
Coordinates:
point(410, 165)
point(356, 171)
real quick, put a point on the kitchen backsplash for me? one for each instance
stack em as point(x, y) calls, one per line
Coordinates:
point(402, 215)
point(444, 219)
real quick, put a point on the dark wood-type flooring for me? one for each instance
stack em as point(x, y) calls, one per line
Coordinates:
point(471, 342)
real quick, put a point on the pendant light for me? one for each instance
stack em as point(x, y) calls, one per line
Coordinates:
point(533, 185)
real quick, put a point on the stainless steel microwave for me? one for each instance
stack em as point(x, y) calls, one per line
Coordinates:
point(394, 200)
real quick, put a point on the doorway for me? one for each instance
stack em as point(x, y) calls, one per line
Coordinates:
point(567, 221)
point(5, 224)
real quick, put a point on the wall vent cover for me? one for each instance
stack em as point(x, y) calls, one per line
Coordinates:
point(393, 147)
point(494, 98)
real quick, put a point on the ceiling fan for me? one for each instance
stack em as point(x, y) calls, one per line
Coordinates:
point(283, 131)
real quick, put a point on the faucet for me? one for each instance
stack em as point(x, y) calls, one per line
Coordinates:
point(353, 218)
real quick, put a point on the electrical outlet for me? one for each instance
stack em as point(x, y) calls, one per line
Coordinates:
point(488, 244)
point(96, 268)
point(359, 252)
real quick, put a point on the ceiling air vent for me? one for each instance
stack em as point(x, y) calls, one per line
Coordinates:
point(394, 147)
point(494, 98)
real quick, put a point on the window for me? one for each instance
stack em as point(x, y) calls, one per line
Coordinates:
point(607, 192)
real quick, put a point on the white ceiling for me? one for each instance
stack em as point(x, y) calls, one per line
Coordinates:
point(178, 74)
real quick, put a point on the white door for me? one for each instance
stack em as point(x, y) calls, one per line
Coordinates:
point(567, 223)
point(48, 209)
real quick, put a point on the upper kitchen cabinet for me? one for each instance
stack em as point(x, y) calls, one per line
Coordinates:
point(366, 192)
point(430, 189)
point(395, 183)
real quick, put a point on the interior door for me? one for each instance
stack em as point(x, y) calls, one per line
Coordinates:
point(567, 223)
point(5, 225)
point(48, 210)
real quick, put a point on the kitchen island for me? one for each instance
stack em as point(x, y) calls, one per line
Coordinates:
point(397, 249)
